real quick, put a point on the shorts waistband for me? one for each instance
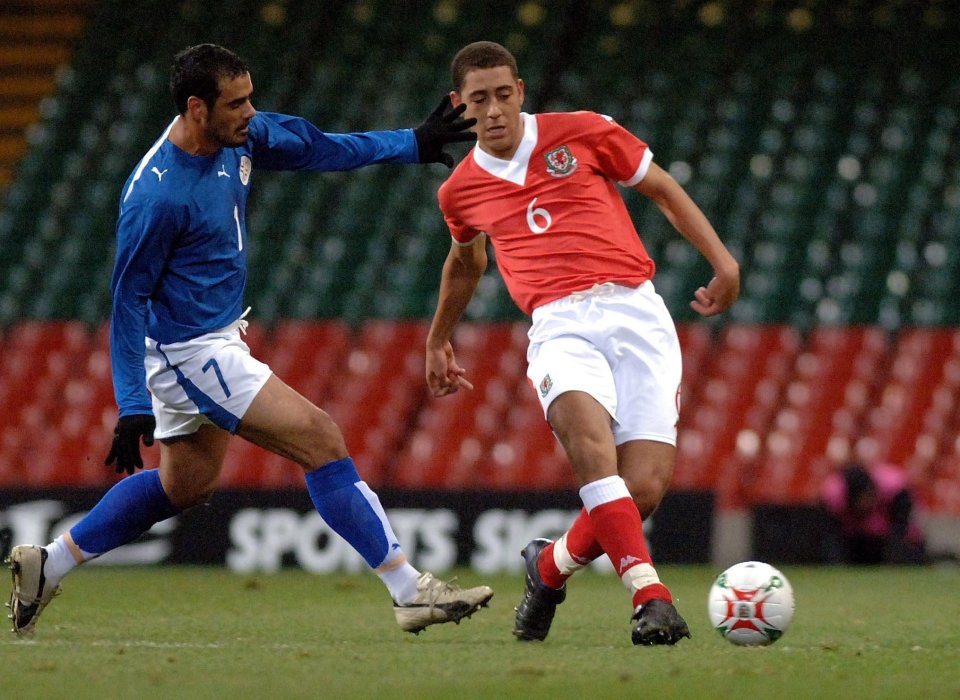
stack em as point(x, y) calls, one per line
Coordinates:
point(597, 291)
point(604, 289)
point(242, 323)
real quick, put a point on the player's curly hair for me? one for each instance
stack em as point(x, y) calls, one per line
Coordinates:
point(480, 54)
point(197, 70)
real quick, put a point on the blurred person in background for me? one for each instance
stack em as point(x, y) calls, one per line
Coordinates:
point(870, 517)
point(604, 357)
point(182, 373)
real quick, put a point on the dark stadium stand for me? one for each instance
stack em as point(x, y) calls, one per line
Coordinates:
point(822, 139)
point(36, 38)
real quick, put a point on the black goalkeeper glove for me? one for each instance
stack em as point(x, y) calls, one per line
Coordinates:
point(125, 450)
point(439, 129)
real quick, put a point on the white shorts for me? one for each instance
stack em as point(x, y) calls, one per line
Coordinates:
point(619, 345)
point(210, 379)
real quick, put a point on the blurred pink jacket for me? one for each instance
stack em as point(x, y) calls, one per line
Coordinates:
point(889, 481)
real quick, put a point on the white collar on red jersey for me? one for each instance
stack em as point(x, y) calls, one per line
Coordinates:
point(515, 169)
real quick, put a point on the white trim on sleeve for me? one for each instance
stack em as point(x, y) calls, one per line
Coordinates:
point(146, 158)
point(467, 243)
point(641, 170)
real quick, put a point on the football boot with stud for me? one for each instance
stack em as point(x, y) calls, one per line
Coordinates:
point(539, 603)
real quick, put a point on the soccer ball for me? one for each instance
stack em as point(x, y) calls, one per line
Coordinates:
point(751, 604)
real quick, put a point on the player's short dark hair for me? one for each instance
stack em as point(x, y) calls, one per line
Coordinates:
point(480, 54)
point(197, 70)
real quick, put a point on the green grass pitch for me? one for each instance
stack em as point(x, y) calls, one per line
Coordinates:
point(207, 633)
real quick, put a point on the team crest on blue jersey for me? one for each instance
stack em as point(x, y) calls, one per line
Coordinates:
point(246, 165)
point(560, 162)
point(546, 384)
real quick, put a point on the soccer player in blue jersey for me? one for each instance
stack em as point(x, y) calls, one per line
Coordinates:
point(176, 330)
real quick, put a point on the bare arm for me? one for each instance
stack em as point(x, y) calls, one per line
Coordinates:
point(686, 217)
point(462, 271)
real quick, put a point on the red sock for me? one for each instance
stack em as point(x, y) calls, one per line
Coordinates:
point(581, 543)
point(619, 530)
point(654, 591)
point(582, 539)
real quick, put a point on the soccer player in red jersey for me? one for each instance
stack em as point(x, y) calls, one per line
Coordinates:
point(603, 355)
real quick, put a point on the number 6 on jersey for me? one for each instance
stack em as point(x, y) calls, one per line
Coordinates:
point(533, 214)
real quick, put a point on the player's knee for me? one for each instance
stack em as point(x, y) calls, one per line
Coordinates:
point(647, 490)
point(647, 504)
point(187, 495)
point(325, 443)
point(203, 495)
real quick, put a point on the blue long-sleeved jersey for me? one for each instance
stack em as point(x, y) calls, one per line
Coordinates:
point(181, 262)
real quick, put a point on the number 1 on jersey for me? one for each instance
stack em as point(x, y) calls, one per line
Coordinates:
point(236, 217)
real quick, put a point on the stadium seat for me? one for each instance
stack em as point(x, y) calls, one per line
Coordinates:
point(695, 344)
point(761, 150)
point(525, 453)
point(731, 385)
point(764, 420)
point(798, 157)
point(308, 354)
point(905, 407)
point(455, 431)
point(377, 396)
point(823, 388)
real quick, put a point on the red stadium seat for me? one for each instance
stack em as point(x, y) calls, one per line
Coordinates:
point(764, 416)
point(906, 400)
point(695, 343)
point(307, 354)
point(818, 400)
point(742, 375)
point(454, 432)
point(378, 394)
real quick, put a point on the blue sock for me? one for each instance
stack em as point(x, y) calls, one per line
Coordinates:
point(352, 510)
point(124, 513)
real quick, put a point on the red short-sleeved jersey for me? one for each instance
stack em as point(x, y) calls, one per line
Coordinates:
point(556, 220)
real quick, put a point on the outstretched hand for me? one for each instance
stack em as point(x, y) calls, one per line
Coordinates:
point(125, 450)
point(444, 375)
point(443, 126)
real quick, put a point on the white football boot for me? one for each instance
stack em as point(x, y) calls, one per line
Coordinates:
point(31, 592)
point(440, 601)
